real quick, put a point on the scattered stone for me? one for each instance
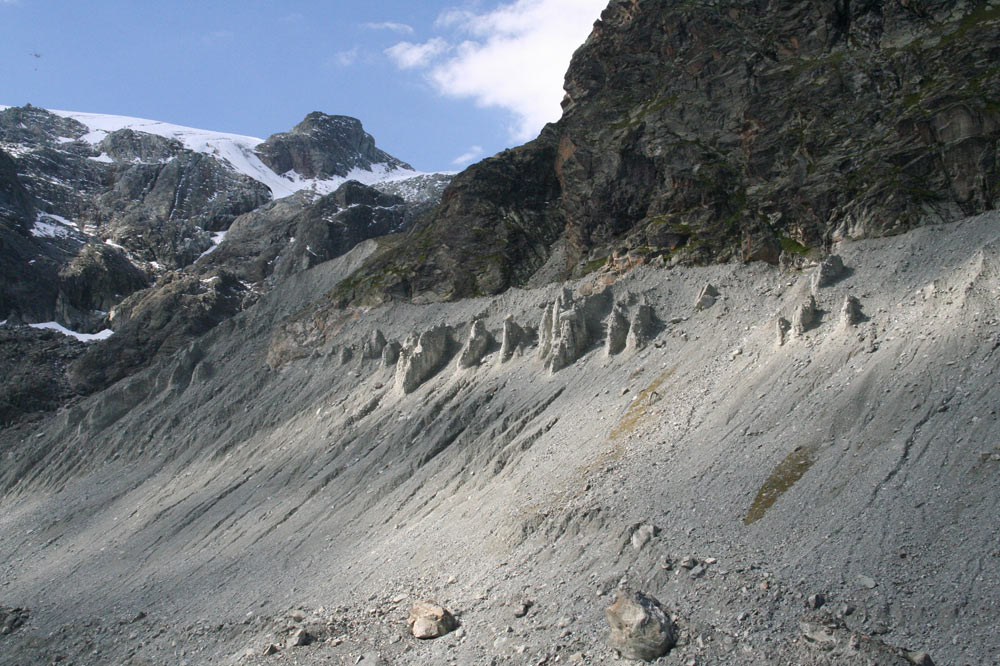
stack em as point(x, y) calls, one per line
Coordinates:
point(513, 336)
point(867, 582)
point(640, 628)
point(804, 317)
point(521, 608)
point(706, 298)
point(271, 649)
point(642, 536)
point(919, 659)
point(689, 562)
point(830, 269)
point(618, 331)
point(850, 312)
point(698, 571)
point(782, 327)
point(12, 618)
point(373, 345)
point(297, 616)
point(817, 633)
point(815, 600)
point(429, 620)
point(300, 638)
point(476, 346)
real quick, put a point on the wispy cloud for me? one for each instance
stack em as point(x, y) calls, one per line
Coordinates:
point(344, 58)
point(468, 156)
point(217, 37)
point(513, 57)
point(401, 28)
point(407, 55)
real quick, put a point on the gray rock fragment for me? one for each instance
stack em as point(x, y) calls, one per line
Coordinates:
point(919, 659)
point(476, 346)
point(373, 345)
point(815, 600)
point(300, 638)
point(829, 270)
point(706, 298)
point(640, 628)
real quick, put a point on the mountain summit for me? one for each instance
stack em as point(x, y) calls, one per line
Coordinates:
point(323, 146)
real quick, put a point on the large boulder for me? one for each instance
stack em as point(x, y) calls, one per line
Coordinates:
point(640, 628)
point(429, 620)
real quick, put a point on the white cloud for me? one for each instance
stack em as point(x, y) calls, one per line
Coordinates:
point(344, 58)
point(407, 55)
point(468, 156)
point(401, 28)
point(512, 57)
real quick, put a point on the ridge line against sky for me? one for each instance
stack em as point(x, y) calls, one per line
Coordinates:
point(438, 84)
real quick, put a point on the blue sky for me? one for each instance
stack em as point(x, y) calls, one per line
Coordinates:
point(438, 83)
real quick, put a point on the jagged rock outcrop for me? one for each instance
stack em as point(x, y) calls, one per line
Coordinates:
point(617, 330)
point(322, 146)
point(704, 131)
point(373, 345)
point(804, 317)
point(640, 328)
point(155, 323)
point(93, 283)
point(421, 357)
point(850, 312)
point(476, 346)
point(781, 329)
point(33, 365)
point(512, 338)
point(390, 354)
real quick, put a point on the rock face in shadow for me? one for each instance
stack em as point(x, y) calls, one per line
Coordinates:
point(33, 365)
point(705, 132)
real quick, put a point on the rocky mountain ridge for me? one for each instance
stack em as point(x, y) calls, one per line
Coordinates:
point(96, 209)
point(711, 131)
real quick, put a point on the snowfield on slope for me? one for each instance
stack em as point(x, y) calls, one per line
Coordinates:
point(235, 149)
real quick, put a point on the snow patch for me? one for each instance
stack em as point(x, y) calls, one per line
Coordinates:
point(103, 157)
point(217, 238)
point(82, 337)
point(48, 225)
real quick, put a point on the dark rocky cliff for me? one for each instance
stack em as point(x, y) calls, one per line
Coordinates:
point(709, 131)
point(322, 146)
